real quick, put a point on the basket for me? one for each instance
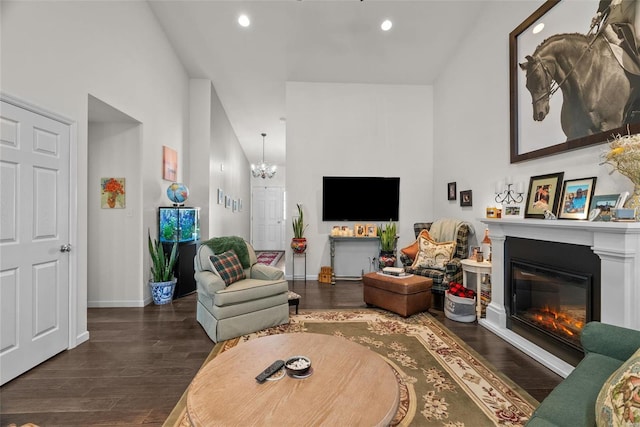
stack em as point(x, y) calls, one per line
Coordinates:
point(325, 275)
point(459, 309)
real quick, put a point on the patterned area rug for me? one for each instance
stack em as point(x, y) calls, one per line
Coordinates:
point(269, 257)
point(442, 381)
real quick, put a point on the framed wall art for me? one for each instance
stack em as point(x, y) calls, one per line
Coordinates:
point(112, 193)
point(169, 164)
point(543, 195)
point(466, 198)
point(220, 196)
point(451, 191)
point(576, 198)
point(546, 116)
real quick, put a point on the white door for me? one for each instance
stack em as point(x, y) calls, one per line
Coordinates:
point(268, 218)
point(34, 225)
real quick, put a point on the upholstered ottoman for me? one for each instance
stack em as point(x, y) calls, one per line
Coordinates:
point(402, 295)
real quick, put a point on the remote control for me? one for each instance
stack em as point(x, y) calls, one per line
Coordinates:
point(272, 369)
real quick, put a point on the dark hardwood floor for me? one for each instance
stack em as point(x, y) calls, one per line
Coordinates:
point(139, 361)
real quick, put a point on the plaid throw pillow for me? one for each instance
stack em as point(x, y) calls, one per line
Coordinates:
point(228, 266)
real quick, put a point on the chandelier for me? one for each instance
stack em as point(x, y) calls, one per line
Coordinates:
point(263, 170)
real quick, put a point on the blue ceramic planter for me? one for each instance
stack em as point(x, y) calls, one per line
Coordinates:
point(162, 292)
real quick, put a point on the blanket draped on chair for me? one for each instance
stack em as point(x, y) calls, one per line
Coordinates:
point(235, 243)
point(446, 229)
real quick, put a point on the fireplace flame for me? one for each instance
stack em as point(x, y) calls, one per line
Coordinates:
point(559, 321)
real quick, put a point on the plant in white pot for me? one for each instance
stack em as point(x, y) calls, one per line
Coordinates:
point(162, 281)
point(299, 242)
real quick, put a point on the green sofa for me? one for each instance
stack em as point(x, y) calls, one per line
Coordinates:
point(573, 401)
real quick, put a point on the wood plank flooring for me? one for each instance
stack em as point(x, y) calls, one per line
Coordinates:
point(139, 361)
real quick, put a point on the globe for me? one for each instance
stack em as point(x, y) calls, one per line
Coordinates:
point(178, 193)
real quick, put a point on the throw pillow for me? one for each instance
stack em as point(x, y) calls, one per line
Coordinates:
point(228, 266)
point(412, 250)
point(433, 254)
point(618, 403)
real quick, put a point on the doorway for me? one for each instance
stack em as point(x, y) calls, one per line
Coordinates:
point(268, 218)
point(115, 236)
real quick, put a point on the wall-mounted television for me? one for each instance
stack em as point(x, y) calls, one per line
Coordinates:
point(360, 198)
point(179, 224)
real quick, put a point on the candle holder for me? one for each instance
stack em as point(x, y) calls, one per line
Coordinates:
point(509, 196)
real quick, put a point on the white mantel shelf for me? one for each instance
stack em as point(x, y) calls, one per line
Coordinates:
point(616, 243)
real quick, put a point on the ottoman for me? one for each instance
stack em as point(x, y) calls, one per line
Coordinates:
point(402, 295)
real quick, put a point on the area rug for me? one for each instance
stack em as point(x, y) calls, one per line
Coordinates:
point(269, 257)
point(442, 381)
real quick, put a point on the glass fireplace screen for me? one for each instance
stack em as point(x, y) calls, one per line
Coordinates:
point(552, 301)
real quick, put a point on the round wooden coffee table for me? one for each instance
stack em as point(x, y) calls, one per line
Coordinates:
point(349, 385)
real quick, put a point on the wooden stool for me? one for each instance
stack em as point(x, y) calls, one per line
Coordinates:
point(402, 295)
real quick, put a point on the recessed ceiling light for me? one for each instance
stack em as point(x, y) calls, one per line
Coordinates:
point(244, 21)
point(386, 25)
point(538, 28)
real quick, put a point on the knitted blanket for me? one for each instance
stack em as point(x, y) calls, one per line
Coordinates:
point(222, 244)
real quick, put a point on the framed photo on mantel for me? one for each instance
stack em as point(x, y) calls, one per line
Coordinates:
point(543, 195)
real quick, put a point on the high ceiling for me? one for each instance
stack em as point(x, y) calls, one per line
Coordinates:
point(307, 41)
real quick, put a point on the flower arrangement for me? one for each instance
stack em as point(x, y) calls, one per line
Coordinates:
point(624, 156)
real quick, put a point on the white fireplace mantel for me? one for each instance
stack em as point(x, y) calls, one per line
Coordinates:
point(616, 243)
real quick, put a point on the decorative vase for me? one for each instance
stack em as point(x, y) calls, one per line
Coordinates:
point(162, 292)
point(299, 245)
point(633, 202)
point(387, 259)
point(111, 200)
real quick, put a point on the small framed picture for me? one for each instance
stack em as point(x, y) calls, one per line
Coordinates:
point(512, 211)
point(604, 202)
point(372, 230)
point(543, 195)
point(220, 196)
point(360, 230)
point(451, 191)
point(235, 205)
point(576, 198)
point(466, 198)
point(227, 201)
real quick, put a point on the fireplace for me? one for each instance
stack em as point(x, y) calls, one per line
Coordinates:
point(615, 294)
point(553, 289)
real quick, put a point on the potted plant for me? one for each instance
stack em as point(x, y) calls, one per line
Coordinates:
point(299, 242)
point(388, 238)
point(162, 281)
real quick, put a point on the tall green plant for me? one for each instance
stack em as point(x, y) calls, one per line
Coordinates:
point(161, 265)
point(298, 224)
point(387, 235)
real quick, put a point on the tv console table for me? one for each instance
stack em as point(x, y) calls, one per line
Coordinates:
point(337, 239)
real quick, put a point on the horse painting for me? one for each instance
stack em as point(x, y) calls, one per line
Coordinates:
point(597, 93)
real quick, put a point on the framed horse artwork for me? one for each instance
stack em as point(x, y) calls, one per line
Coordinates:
point(574, 73)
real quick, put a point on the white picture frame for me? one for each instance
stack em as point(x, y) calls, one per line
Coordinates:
point(513, 210)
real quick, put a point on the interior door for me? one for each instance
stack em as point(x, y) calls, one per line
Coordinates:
point(268, 218)
point(34, 236)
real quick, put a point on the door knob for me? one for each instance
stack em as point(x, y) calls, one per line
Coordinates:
point(65, 248)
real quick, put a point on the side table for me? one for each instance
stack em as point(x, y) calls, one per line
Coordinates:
point(293, 266)
point(479, 269)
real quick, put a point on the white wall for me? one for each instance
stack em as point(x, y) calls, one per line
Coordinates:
point(56, 53)
point(472, 122)
point(113, 262)
point(359, 130)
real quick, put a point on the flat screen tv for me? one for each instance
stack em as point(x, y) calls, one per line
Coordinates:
point(358, 198)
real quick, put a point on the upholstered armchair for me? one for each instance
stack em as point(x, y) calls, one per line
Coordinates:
point(444, 230)
point(229, 308)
